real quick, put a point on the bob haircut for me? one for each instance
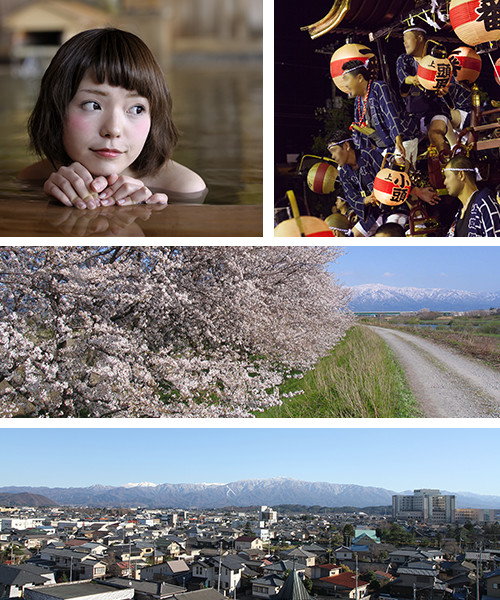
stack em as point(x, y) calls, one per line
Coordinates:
point(120, 58)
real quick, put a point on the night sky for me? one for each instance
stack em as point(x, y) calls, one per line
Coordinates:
point(302, 75)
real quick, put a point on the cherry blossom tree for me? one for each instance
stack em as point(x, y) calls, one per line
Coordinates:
point(162, 331)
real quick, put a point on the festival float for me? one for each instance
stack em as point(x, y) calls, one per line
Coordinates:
point(463, 47)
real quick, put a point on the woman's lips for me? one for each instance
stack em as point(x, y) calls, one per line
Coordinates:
point(108, 152)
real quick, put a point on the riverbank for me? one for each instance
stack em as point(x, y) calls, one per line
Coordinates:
point(360, 378)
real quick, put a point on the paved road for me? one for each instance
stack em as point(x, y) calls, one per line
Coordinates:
point(445, 383)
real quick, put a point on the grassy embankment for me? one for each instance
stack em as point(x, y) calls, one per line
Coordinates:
point(359, 378)
point(475, 336)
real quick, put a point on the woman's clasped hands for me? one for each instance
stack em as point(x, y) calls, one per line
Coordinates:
point(76, 186)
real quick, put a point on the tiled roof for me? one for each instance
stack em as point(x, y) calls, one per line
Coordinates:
point(347, 580)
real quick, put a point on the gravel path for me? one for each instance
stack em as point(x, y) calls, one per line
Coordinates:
point(445, 383)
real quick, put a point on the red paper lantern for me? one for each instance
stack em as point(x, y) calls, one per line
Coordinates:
point(311, 226)
point(321, 178)
point(343, 55)
point(467, 62)
point(475, 21)
point(391, 187)
point(497, 71)
point(434, 73)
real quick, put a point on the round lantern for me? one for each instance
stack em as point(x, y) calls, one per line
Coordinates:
point(391, 187)
point(434, 73)
point(467, 62)
point(343, 55)
point(475, 21)
point(497, 71)
point(311, 226)
point(321, 178)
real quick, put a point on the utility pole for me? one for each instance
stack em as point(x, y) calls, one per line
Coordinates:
point(220, 567)
point(356, 557)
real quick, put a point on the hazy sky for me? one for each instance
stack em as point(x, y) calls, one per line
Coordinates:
point(469, 268)
point(455, 460)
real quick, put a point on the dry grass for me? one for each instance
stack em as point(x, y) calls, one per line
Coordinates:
point(359, 378)
point(479, 346)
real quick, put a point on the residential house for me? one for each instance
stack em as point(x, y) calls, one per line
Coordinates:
point(247, 542)
point(300, 555)
point(225, 571)
point(326, 570)
point(91, 568)
point(76, 565)
point(282, 566)
point(267, 586)
point(365, 537)
point(418, 575)
point(403, 556)
point(15, 579)
point(492, 581)
point(205, 594)
point(315, 549)
point(172, 571)
point(88, 590)
point(343, 553)
point(343, 585)
point(170, 545)
point(146, 590)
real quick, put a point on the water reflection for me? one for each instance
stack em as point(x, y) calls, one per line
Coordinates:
point(220, 112)
point(24, 212)
point(218, 109)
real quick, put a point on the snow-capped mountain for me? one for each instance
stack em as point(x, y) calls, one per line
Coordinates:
point(144, 484)
point(380, 297)
point(247, 492)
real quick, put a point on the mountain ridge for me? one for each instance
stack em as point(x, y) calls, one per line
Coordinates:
point(245, 492)
point(382, 297)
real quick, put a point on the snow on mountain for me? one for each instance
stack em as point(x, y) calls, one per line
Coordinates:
point(380, 297)
point(144, 484)
point(249, 492)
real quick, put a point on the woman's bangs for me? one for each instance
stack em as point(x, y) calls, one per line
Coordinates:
point(121, 65)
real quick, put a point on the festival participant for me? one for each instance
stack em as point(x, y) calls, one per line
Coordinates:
point(357, 171)
point(479, 215)
point(438, 113)
point(378, 119)
point(390, 230)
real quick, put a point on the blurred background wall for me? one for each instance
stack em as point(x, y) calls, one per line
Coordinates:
point(176, 30)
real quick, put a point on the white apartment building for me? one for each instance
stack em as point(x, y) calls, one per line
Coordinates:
point(425, 505)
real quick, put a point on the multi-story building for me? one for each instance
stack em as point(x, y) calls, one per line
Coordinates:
point(268, 516)
point(425, 505)
point(477, 515)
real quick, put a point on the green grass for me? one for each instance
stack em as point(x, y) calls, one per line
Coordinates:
point(359, 378)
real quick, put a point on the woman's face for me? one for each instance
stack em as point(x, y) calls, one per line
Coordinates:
point(105, 127)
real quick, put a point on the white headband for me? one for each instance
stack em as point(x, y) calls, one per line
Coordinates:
point(364, 64)
point(475, 170)
point(414, 29)
point(339, 229)
point(331, 144)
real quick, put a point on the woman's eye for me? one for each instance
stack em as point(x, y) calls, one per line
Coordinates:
point(138, 109)
point(91, 105)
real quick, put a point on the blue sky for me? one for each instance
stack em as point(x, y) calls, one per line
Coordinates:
point(458, 459)
point(451, 267)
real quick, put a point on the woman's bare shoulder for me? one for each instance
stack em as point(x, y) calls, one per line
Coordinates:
point(38, 171)
point(176, 178)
